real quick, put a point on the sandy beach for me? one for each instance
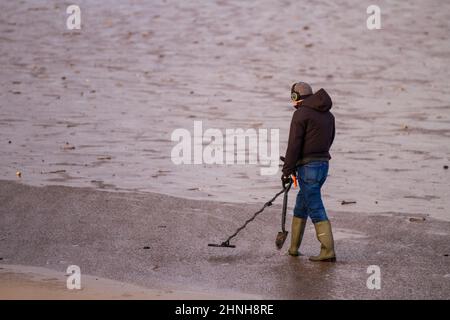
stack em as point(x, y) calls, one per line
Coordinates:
point(86, 118)
point(144, 239)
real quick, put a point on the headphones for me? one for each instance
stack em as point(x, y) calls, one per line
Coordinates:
point(295, 96)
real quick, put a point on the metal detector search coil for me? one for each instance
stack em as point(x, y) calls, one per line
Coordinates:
point(222, 245)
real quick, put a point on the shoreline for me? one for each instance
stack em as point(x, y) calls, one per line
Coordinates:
point(236, 201)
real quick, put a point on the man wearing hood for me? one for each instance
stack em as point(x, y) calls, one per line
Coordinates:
point(310, 137)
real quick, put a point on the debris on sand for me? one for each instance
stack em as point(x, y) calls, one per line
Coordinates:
point(400, 88)
point(9, 142)
point(344, 202)
point(19, 174)
point(68, 146)
point(56, 171)
point(104, 158)
point(161, 173)
point(421, 219)
point(146, 247)
point(445, 167)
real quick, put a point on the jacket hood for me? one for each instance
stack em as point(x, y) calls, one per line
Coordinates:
point(320, 101)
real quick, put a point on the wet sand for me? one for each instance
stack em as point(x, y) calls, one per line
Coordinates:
point(160, 242)
point(86, 118)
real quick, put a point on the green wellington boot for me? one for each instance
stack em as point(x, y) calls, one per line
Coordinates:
point(325, 236)
point(298, 229)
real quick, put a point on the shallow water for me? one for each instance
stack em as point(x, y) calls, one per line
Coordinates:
point(117, 89)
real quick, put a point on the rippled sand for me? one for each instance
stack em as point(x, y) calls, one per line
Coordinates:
point(97, 107)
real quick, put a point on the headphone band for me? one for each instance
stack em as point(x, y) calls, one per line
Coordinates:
point(297, 96)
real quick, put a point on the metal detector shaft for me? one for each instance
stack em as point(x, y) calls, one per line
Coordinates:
point(226, 243)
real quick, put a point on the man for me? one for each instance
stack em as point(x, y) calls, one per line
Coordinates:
point(307, 155)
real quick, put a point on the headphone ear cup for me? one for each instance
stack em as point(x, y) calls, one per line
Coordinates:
point(293, 93)
point(294, 96)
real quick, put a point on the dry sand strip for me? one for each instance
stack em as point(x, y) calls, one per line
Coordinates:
point(160, 242)
point(25, 282)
